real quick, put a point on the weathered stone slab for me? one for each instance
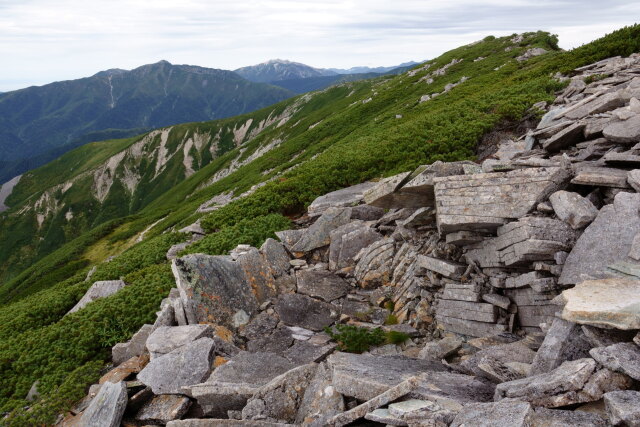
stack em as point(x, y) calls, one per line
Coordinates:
point(452, 390)
point(469, 327)
point(622, 357)
point(366, 376)
point(438, 350)
point(101, 289)
point(345, 197)
point(374, 267)
point(573, 209)
point(321, 284)
point(214, 289)
point(347, 241)
point(565, 138)
point(321, 400)
point(446, 268)
point(607, 240)
point(497, 300)
point(511, 413)
point(302, 352)
point(605, 303)
point(165, 339)
point(277, 341)
point(543, 417)
point(300, 310)
point(564, 342)
point(480, 312)
point(599, 337)
point(383, 416)
point(623, 407)
point(486, 201)
point(468, 293)
point(626, 132)
point(125, 370)
point(232, 384)
point(598, 104)
point(383, 194)
point(494, 361)
point(276, 257)
point(186, 365)
point(280, 399)
point(122, 352)
point(164, 408)
point(534, 315)
point(319, 233)
point(601, 177)
point(572, 382)
point(209, 422)
point(107, 408)
point(463, 238)
point(290, 237)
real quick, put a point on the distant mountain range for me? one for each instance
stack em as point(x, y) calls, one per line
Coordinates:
point(379, 70)
point(280, 69)
point(40, 123)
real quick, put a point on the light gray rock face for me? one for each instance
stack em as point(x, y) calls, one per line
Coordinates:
point(493, 362)
point(633, 178)
point(165, 339)
point(531, 53)
point(276, 256)
point(346, 197)
point(506, 413)
point(186, 365)
point(625, 132)
point(319, 234)
point(321, 401)
point(599, 337)
point(600, 104)
point(122, 352)
point(543, 417)
point(232, 384)
point(321, 284)
point(280, 399)
point(572, 208)
point(101, 289)
point(623, 407)
point(487, 201)
point(300, 310)
point(438, 350)
point(214, 289)
point(622, 357)
point(601, 177)
point(107, 408)
point(564, 342)
point(607, 240)
point(572, 382)
point(565, 138)
point(347, 241)
point(365, 376)
point(290, 237)
point(605, 303)
point(384, 194)
point(450, 269)
point(164, 408)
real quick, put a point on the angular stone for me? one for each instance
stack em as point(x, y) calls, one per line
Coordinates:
point(572, 382)
point(383, 416)
point(302, 352)
point(347, 241)
point(601, 177)
point(627, 131)
point(374, 267)
point(290, 237)
point(383, 194)
point(319, 234)
point(573, 209)
point(278, 341)
point(452, 390)
point(164, 408)
point(300, 310)
point(565, 138)
point(125, 369)
point(480, 312)
point(607, 240)
point(165, 339)
point(214, 289)
point(496, 359)
point(543, 417)
point(101, 289)
point(604, 303)
point(366, 376)
point(463, 238)
point(469, 327)
point(400, 409)
point(510, 413)
point(461, 292)
point(321, 284)
point(564, 342)
point(280, 399)
point(633, 179)
point(497, 300)
point(107, 408)
point(186, 365)
point(447, 268)
point(345, 197)
point(261, 325)
point(421, 217)
point(366, 213)
point(622, 357)
point(321, 400)
point(276, 257)
point(438, 350)
point(487, 201)
point(122, 352)
point(625, 160)
point(599, 337)
point(232, 384)
point(623, 407)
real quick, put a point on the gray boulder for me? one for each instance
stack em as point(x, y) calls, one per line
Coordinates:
point(346, 197)
point(319, 234)
point(510, 413)
point(626, 132)
point(564, 342)
point(321, 400)
point(572, 208)
point(165, 339)
point(623, 407)
point(122, 352)
point(321, 284)
point(186, 365)
point(347, 241)
point(300, 310)
point(622, 357)
point(107, 408)
point(438, 350)
point(543, 417)
point(101, 289)
point(162, 409)
point(276, 257)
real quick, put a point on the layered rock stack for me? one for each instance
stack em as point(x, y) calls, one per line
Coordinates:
point(517, 281)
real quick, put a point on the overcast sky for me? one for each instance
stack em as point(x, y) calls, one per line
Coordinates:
point(45, 40)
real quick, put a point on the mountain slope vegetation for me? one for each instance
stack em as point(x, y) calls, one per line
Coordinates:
point(38, 124)
point(244, 178)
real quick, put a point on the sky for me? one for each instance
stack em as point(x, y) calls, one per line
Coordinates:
point(51, 40)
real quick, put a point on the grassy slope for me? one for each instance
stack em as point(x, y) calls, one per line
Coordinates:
point(353, 143)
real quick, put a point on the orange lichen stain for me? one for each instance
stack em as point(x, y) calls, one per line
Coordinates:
point(219, 361)
point(223, 333)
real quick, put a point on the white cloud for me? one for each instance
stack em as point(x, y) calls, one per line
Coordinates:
point(46, 40)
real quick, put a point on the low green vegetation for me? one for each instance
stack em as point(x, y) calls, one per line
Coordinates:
point(353, 339)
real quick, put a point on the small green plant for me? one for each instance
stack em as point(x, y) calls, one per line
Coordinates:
point(389, 305)
point(391, 319)
point(595, 78)
point(395, 337)
point(353, 339)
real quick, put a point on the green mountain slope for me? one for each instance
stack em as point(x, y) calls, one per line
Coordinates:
point(128, 205)
point(36, 122)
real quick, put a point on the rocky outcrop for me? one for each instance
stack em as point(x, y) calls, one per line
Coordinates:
point(101, 289)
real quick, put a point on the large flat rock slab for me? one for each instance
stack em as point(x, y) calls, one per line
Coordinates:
point(606, 241)
point(366, 376)
point(623, 407)
point(346, 197)
point(605, 303)
point(165, 339)
point(511, 413)
point(308, 313)
point(488, 200)
point(107, 408)
point(321, 284)
point(621, 357)
point(101, 289)
point(319, 233)
point(164, 408)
